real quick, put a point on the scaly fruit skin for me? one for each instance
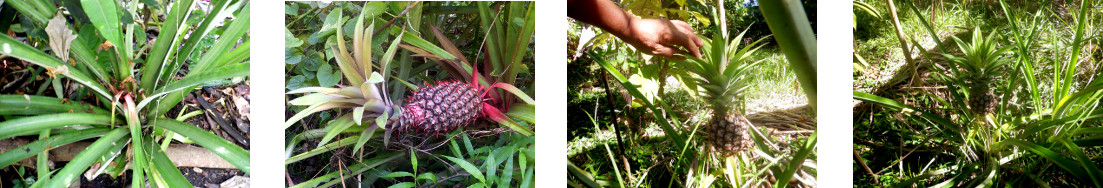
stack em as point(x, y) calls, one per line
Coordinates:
point(981, 99)
point(727, 133)
point(441, 108)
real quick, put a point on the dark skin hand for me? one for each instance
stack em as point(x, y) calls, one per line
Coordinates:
point(660, 37)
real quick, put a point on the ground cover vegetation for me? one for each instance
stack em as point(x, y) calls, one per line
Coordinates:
point(372, 102)
point(110, 79)
point(738, 116)
point(977, 93)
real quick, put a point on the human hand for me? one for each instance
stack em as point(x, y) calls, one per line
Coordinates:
point(662, 37)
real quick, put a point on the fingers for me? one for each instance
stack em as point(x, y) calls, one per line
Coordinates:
point(688, 39)
point(668, 51)
point(689, 32)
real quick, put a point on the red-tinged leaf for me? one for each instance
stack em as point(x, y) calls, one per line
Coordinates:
point(512, 89)
point(499, 117)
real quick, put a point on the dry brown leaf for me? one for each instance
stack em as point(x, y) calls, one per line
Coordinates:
point(60, 36)
point(106, 45)
point(61, 69)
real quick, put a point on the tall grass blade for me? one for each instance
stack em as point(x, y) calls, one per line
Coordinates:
point(789, 24)
point(334, 178)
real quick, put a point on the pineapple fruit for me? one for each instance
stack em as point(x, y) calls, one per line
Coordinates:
point(441, 108)
point(727, 132)
point(981, 98)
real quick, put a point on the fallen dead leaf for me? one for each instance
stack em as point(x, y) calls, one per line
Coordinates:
point(60, 36)
point(61, 69)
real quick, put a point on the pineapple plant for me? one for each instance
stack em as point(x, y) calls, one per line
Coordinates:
point(431, 109)
point(981, 63)
point(719, 78)
point(122, 82)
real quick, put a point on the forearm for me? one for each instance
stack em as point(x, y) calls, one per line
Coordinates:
point(604, 14)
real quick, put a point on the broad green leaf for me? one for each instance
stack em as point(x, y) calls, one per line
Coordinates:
point(467, 166)
point(290, 40)
point(34, 124)
point(527, 181)
point(104, 14)
point(228, 151)
point(374, 8)
point(291, 9)
point(427, 176)
point(296, 82)
point(332, 22)
point(327, 77)
point(71, 172)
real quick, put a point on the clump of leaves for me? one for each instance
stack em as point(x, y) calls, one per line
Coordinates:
point(133, 84)
point(367, 84)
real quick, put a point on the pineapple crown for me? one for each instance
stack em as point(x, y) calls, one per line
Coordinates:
point(721, 74)
point(982, 58)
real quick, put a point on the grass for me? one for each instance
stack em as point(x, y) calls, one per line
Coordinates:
point(885, 138)
point(771, 88)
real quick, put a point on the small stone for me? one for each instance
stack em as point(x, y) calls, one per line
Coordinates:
point(236, 182)
point(197, 169)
